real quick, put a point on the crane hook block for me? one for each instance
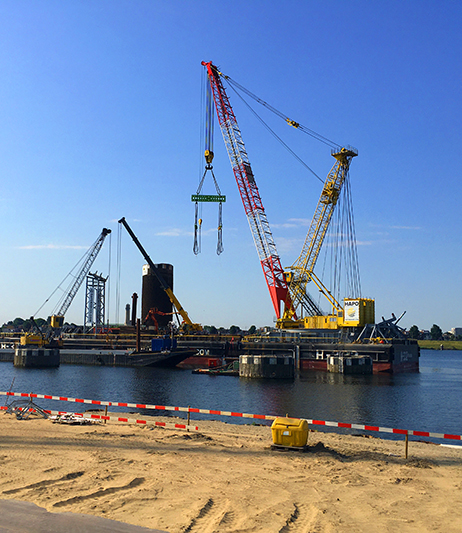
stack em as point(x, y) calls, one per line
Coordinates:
point(208, 156)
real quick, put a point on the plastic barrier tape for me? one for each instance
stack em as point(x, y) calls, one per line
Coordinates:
point(240, 415)
point(86, 416)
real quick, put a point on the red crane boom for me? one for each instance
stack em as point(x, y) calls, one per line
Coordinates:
point(253, 206)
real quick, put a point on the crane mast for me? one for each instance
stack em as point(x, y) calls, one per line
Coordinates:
point(253, 206)
point(302, 271)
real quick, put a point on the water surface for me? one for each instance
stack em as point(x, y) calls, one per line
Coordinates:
point(430, 400)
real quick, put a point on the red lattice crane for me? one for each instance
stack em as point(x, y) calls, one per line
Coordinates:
point(253, 206)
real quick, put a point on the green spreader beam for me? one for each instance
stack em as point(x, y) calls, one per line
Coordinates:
point(207, 198)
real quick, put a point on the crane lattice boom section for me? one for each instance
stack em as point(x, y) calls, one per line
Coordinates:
point(302, 269)
point(91, 256)
point(253, 206)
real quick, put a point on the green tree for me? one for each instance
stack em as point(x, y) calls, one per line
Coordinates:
point(252, 330)
point(414, 333)
point(436, 333)
point(234, 330)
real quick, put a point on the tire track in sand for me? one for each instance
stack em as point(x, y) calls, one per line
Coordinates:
point(101, 493)
point(46, 482)
point(301, 520)
point(210, 517)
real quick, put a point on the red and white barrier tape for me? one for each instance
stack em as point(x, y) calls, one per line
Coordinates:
point(240, 415)
point(384, 430)
point(86, 416)
point(139, 405)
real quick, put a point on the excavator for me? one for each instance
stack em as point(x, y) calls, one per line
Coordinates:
point(41, 339)
point(288, 287)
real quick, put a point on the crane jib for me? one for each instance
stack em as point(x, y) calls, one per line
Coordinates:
point(91, 256)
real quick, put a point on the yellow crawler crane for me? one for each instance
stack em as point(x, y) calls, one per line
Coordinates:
point(356, 311)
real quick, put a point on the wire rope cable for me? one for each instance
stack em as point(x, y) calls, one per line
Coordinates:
point(306, 130)
point(276, 136)
point(69, 274)
point(207, 136)
point(118, 274)
point(109, 280)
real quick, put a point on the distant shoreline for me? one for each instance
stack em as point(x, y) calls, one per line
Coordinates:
point(436, 345)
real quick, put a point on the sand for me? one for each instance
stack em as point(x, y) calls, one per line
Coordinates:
point(226, 478)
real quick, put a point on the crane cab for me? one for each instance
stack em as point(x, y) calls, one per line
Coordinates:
point(56, 321)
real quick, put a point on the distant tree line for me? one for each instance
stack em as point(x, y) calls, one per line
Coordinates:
point(21, 324)
point(232, 330)
point(436, 334)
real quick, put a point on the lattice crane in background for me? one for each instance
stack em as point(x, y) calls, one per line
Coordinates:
point(253, 205)
point(57, 319)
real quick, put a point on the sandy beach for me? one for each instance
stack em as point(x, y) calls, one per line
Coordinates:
point(226, 478)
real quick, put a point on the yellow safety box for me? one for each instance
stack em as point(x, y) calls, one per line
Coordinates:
point(290, 432)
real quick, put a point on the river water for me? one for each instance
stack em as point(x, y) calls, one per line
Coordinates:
point(430, 400)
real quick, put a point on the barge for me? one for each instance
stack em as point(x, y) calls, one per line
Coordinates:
point(310, 354)
point(158, 352)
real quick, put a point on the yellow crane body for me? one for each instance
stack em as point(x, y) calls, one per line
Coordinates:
point(357, 312)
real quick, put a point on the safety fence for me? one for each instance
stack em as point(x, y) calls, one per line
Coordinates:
point(189, 410)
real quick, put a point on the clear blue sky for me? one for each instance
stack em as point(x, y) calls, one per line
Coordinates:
point(100, 115)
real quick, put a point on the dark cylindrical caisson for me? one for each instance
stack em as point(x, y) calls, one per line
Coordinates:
point(154, 297)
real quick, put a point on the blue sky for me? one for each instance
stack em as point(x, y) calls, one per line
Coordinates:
point(100, 114)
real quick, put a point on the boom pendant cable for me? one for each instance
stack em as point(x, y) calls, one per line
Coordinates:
point(109, 282)
point(276, 136)
point(293, 123)
point(118, 268)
